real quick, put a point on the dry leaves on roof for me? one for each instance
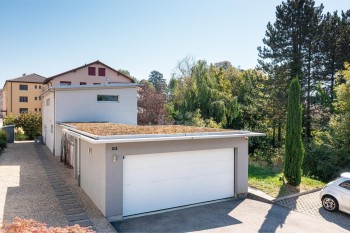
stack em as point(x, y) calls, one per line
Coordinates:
point(105, 129)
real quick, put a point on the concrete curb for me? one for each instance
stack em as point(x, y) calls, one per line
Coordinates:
point(296, 195)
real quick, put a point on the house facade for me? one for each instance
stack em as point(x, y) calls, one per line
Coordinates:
point(22, 94)
point(95, 73)
point(88, 103)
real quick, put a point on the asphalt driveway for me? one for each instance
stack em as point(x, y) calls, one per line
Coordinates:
point(229, 216)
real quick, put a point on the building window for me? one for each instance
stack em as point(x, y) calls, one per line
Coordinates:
point(39, 109)
point(23, 110)
point(109, 98)
point(65, 83)
point(39, 87)
point(92, 71)
point(101, 71)
point(39, 97)
point(82, 83)
point(48, 102)
point(36, 87)
point(35, 98)
point(97, 83)
point(36, 109)
point(23, 87)
point(23, 99)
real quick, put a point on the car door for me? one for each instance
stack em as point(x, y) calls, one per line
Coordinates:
point(344, 193)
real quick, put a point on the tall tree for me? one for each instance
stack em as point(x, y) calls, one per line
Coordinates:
point(294, 150)
point(156, 78)
point(291, 49)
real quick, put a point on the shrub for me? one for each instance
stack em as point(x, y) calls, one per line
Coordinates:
point(3, 139)
point(29, 122)
point(22, 225)
point(20, 134)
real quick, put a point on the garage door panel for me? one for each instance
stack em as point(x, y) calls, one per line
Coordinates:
point(192, 177)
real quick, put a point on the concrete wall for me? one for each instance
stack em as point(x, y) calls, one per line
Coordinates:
point(93, 173)
point(114, 171)
point(82, 106)
point(48, 122)
point(12, 93)
point(81, 75)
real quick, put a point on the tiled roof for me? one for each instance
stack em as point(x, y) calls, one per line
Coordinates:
point(31, 78)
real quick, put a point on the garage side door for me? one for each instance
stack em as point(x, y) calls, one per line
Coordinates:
point(165, 180)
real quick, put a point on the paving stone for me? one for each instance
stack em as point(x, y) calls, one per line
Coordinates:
point(70, 206)
point(77, 217)
point(68, 201)
point(64, 193)
point(67, 197)
point(61, 189)
point(73, 211)
point(82, 223)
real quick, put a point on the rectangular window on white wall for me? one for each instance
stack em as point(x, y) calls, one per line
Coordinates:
point(48, 102)
point(107, 98)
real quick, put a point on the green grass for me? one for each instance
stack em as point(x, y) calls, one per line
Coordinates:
point(268, 180)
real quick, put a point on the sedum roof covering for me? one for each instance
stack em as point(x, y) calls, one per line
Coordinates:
point(108, 129)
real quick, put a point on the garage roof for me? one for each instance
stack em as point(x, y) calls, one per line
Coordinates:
point(98, 132)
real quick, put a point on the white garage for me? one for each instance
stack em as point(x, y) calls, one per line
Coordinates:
point(130, 170)
point(165, 180)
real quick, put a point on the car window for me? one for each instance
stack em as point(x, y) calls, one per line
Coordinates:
point(345, 184)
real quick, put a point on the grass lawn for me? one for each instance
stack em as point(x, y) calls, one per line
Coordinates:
point(268, 180)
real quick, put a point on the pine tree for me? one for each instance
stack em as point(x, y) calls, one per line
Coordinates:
point(294, 150)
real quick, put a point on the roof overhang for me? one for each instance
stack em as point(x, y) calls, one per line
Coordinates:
point(95, 139)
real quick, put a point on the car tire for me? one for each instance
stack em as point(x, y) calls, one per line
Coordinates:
point(329, 203)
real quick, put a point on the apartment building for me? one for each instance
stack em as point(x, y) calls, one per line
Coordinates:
point(22, 94)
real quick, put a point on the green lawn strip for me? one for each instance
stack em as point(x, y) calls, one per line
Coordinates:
point(268, 180)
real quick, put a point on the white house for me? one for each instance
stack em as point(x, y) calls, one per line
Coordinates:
point(88, 103)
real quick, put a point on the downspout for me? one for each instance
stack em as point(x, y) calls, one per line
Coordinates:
point(11, 96)
point(79, 156)
point(54, 122)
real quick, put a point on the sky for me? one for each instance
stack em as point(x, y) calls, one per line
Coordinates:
point(49, 37)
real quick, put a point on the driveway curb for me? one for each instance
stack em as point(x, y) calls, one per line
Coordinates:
point(296, 195)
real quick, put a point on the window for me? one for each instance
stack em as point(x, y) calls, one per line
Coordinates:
point(82, 83)
point(65, 83)
point(97, 83)
point(345, 184)
point(35, 98)
point(39, 109)
point(36, 87)
point(101, 71)
point(36, 109)
point(92, 71)
point(48, 102)
point(23, 110)
point(23, 99)
point(23, 87)
point(110, 98)
point(39, 97)
point(39, 87)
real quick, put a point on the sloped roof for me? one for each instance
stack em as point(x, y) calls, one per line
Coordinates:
point(86, 65)
point(31, 78)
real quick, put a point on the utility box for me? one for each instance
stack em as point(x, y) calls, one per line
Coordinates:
point(10, 131)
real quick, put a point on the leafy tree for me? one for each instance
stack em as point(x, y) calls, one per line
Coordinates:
point(156, 78)
point(294, 150)
point(30, 122)
point(127, 73)
point(151, 106)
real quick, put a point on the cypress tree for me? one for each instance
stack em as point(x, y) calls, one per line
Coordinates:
point(294, 150)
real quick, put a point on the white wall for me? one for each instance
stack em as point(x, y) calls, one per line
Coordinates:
point(82, 106)
point(48, 124)
point(93, 173)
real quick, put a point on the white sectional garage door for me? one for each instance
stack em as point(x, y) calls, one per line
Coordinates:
point(165, 180)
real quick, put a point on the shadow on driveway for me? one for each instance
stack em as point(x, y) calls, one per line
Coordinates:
point(339, 218)
point(185, 220)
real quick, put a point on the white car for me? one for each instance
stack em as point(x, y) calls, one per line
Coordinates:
point(336, 194)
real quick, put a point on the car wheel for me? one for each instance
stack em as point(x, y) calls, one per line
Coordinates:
point(330, 203)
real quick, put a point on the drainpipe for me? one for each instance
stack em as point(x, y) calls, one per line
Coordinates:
point(54, 123)
point(79, 156)
point(11, 97)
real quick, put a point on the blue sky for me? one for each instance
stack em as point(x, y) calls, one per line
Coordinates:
point(48, 37)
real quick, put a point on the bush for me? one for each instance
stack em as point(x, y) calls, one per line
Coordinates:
point(22, 225)
point(20, 134)
point(29, 122)
point(3, 139)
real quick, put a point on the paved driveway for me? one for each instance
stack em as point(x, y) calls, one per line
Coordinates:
point(229, 216)
point(310, 204)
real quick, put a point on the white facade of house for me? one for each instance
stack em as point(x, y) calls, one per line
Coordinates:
point(80, 104)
